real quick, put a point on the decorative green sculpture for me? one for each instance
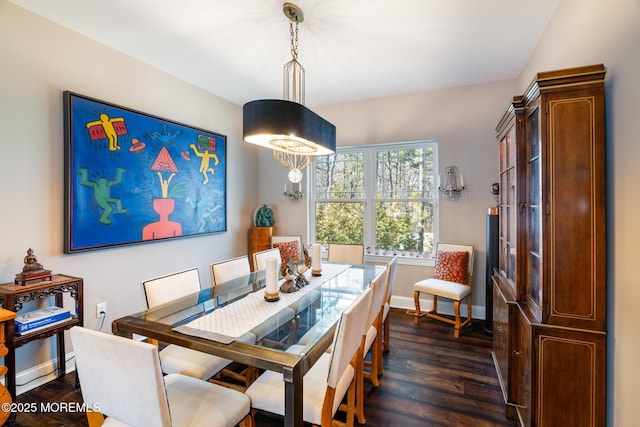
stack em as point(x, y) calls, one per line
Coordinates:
point(264, 216)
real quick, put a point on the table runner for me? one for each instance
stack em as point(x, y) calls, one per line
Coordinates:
point(225, 324)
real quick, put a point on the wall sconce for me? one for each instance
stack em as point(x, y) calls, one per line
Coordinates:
point(294, 192)
point(451, 190)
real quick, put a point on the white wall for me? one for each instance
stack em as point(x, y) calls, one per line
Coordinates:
point(588, 32)
point(39, 60)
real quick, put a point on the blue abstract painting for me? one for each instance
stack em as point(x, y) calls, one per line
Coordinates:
point(131, 177)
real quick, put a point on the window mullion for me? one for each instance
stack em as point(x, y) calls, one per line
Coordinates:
point(311, 203)
point(369, 198)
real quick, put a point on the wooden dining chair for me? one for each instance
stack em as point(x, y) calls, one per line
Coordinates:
point(174, 358)
point(345, 253)
point(121, 379)
point(370, 342)
point(452, 279)
point(329, 379)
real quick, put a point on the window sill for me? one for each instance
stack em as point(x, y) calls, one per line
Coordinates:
point(404, 260)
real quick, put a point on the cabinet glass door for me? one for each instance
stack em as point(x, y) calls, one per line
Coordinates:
point(532, 211)
point(508, 205)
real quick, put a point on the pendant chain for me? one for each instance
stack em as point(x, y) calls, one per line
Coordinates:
point(293, 35)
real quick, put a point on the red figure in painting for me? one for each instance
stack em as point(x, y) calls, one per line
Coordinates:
point(162, 228)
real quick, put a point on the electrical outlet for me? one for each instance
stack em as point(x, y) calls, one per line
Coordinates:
point(101, 309)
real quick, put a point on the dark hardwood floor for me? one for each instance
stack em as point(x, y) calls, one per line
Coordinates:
point(430, 379)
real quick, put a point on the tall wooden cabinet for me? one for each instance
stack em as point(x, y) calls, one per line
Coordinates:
point(259, 240)
point(550, 287)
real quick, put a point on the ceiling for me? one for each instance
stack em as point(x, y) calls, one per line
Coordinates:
point(350, 49)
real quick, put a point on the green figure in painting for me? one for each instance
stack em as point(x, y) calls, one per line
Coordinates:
point(102, 193)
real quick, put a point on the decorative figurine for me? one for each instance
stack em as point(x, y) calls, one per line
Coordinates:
point(264, 216)
point(32, 270)
point(293, 273)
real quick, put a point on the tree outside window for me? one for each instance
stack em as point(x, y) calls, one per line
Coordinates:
point(381, 196)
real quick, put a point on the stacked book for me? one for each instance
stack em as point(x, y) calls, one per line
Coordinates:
point(37, 319)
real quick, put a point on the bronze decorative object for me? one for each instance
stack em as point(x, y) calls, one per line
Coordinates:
point(32, 270)
point(293, 272)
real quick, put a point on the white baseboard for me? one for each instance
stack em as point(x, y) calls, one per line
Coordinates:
point(45, 372)
point(41, 374)
point(444, 306)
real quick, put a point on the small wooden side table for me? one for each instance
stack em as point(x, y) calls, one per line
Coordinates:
point(13, 297)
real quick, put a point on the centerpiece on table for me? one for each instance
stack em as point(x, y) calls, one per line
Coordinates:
point(293, 273)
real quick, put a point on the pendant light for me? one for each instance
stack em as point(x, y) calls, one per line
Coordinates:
point(293, 131)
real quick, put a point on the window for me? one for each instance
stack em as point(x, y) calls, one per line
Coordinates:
point(381, 195)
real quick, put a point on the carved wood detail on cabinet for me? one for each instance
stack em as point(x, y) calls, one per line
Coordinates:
point(551, 282)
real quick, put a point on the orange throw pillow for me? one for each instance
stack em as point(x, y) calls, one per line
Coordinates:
point(452, 266)
point(288, 250)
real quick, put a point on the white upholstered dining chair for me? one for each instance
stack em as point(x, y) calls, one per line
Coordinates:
point(370, 342)
point(260, 258)
point(174, 358)
point(452, 279)
point(121, 379)
point(346, 253)
point(230, 269)
point(329, 379)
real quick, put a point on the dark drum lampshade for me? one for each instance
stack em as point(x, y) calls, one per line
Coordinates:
point(287, 126)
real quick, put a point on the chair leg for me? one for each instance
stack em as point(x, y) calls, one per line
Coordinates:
point(359, 381)
point(248, 421)
point(252, 415)
point(376, 355)
point(327, 406)
point(456, 310)
point(416, 299)
point(351, 405)
point(95, 419)
point(386, 337)
point(371, 375)
point(383, 343)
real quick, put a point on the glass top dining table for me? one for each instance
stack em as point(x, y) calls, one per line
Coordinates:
point(233, 320)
